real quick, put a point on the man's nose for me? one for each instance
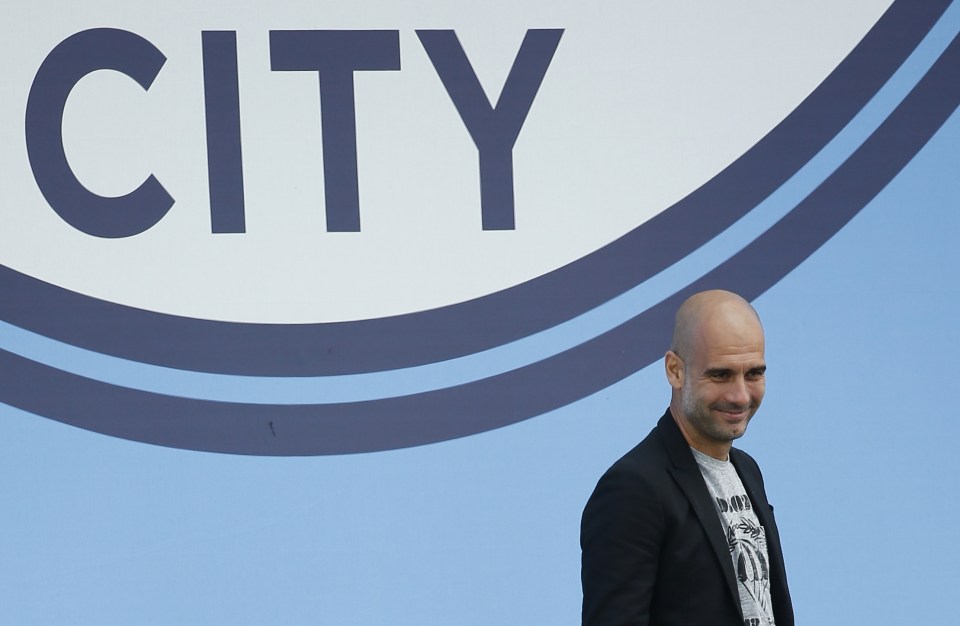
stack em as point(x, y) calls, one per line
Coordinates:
point(737, 392)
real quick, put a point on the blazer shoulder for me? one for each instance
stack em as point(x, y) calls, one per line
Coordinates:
point(647, 458)
point(641, 471)
point(745, 462)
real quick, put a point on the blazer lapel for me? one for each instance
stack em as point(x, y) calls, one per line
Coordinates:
point(686, 473)
point(778, 576)
point(751, 482)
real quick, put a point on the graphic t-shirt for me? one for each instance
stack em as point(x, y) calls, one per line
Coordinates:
point(746, 538)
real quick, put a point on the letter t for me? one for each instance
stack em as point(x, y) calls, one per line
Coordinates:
point(336, 55)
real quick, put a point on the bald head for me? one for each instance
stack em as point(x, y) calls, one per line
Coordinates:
point(716, 369)
point(707, 309)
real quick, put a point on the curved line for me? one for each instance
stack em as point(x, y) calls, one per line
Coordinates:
point(457, 330)
point(507, 398)
point(547, 343)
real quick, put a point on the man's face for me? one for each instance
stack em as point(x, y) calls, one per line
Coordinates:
point(723, 381)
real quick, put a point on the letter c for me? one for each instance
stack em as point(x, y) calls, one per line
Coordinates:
point(75, 57)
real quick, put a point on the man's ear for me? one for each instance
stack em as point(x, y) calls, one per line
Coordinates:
point(674, 368)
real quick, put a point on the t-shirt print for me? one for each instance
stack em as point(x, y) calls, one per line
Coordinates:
point(747, 542)
point(746, 538)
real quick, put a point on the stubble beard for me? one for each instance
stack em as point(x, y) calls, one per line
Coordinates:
point(699, 416)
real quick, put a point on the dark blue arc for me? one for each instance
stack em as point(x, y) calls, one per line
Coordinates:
point(513, 396)
point(506, 398)
point(499, 318)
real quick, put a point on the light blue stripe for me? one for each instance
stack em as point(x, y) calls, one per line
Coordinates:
point(377, 385)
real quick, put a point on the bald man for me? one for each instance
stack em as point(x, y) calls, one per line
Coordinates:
point(679, 532)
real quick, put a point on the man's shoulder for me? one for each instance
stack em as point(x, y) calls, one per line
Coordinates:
point(743, 461)
point(647, 461)
point(650, 452)
point(639, 489)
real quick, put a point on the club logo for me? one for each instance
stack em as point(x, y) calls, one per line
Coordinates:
point(328, 241)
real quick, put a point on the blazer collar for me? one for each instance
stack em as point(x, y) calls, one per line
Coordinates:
point(779, 592)
point(686, 473)
point(751, 482)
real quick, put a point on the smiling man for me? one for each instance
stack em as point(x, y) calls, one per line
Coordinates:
point(679, 530)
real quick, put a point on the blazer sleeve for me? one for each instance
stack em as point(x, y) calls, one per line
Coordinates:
point(621, 533)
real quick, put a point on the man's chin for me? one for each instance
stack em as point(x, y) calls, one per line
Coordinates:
point(739, 429)
point(730, 429)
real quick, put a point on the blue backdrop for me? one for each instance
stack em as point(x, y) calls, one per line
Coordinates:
point(854, 439)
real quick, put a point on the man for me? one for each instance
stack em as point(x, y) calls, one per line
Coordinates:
point(679, 530)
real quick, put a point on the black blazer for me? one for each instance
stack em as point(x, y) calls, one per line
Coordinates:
point(654, 550)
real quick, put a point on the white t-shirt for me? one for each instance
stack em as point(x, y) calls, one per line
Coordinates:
point(746, 538)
